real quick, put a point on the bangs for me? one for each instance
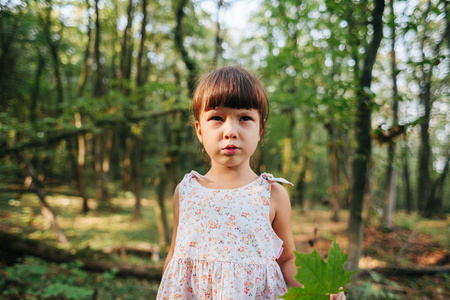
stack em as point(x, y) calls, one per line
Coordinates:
point(231, 92)
point(231, 87)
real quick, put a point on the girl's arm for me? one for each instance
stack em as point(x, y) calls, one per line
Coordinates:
point(175, 227)
point(280, 211)
point(280, 215)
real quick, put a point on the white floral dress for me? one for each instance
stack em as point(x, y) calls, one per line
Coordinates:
point(225, 246)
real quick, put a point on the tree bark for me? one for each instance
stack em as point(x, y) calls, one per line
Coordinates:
point(425, 186)
point(390, 179)
point(81, 165)
point(53, 47)
point(139, 76)
point(124, 60)
point(406, 181)
point(218, 45)
point(98, 167)
point(301, 168)
point(179, 41)
point(84, 70)
point(163, 224)
point(98, 84)
point(287, 153)
point(36, 86)
point(334, 171)
point(363, 151)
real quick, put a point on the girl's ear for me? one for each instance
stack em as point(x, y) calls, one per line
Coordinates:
point(198, 130)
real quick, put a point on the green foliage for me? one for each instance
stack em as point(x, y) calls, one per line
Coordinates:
point(375, 288)
point(319, 278)
point(36, 279)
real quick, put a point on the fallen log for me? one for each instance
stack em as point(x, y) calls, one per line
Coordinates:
point(406, 271)
point(95, 262)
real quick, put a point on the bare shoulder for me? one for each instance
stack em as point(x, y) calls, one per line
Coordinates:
point(278, 193)
point(176, 200)
point(176, 193)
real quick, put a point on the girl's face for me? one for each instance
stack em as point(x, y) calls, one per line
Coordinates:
point(230, 135)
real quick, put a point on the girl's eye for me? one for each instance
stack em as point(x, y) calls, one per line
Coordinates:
point(216, 118)
point(246, 118)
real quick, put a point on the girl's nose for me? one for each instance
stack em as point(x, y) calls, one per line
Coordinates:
point(230, 130)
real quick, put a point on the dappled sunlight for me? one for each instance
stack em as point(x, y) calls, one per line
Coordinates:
point(367, 262)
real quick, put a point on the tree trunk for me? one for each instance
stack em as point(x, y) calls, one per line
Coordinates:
point(179, 41)
point(137, 175)
point(84, 70)
point(139, 76)
point(363, 151)
point(163, 224)
point(108, 135)
point(126, 162)
point(53, 47)
point(406, 181)
point(125, 50)
point(334, 171)
point(299, 177)
point(218, 45)
point(98, 85)
point(81, 165)
point(36, 87)
point(425, 186)
point(98, 167)
point(287, 153)
point(390, 179)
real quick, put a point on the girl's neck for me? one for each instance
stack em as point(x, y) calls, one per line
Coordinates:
point(223, 177)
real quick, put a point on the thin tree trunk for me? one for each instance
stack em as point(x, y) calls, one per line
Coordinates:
point(390, 183)
point(218, 45)
point(108, 135)
point(53, 47)
point(98, 85)
point(363, 151)
point(137, 176)
point(301, 168)
point(334, 171)
point(36, 86)
point(98, 167)
point(179, 41)
point(287, 153)
point(124, 44)
point(84, 71)
point(81, 165)
point(46, 210)
point(126, 163)
point(406, 181)
point(139, 71)
point(163, 225)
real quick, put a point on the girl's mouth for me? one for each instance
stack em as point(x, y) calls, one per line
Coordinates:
point(230, 149)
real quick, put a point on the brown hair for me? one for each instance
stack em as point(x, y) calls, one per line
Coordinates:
point(232, 87)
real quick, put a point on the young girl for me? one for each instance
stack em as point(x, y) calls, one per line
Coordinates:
point(232, 235)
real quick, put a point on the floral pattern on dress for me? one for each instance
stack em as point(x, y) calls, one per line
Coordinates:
point(225, 247)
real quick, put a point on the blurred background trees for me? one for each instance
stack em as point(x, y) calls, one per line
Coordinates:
point(95, 98)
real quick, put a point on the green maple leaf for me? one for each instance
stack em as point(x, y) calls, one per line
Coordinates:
point(319, 278)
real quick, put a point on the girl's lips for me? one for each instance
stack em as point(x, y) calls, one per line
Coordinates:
point(230, 149)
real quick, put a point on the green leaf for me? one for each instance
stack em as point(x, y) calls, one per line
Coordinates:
point(320, 279)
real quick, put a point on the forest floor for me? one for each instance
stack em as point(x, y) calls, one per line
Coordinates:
point(412, 242)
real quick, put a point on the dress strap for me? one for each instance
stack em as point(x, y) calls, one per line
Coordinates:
point(269, 177)
point(196, 174)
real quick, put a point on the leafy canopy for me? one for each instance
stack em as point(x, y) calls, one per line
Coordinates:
point(320, 279)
